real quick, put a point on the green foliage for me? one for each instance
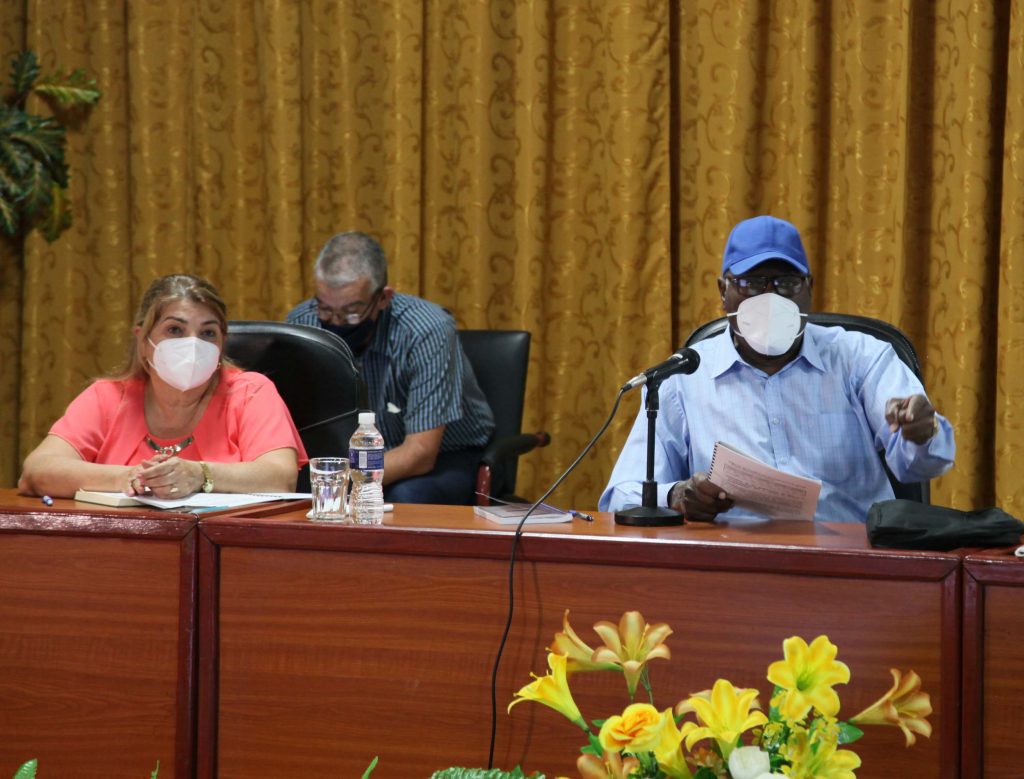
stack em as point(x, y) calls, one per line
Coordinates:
point(33, 173)
point(370, 767)
point(27, 771)
point(483, 773)
point(849, 733)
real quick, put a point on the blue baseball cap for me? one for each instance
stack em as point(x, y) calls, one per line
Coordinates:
point(760, 239)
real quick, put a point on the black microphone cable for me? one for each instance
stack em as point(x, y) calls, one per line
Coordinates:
point(512, 563)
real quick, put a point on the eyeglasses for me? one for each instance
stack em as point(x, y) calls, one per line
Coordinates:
point(748, 286)
point(346, 315)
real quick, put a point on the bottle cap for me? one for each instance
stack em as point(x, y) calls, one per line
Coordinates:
point(367, 418)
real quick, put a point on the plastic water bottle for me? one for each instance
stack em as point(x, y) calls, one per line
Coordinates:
point(366, 460)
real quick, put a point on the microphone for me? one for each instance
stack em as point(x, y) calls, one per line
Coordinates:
point(685, 360)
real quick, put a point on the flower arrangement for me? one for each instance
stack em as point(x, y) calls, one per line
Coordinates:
point(721, 733)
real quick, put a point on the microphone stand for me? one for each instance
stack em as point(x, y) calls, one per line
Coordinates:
point(649, 513)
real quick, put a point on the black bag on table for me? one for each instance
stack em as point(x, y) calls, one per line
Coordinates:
point(907, 524)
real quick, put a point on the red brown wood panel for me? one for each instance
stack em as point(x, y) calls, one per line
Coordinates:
point(97, 609)
point(89, 655)
point(382, 642)
point(993, 664)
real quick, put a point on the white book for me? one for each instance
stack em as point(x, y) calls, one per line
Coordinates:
point(513, 513)
point(760, 488)
point(116, 499)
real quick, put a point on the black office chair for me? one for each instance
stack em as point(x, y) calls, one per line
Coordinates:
point(315, 375)
point(499, 359)
point(918, 491)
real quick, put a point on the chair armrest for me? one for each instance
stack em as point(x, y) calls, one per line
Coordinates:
point(513, 446)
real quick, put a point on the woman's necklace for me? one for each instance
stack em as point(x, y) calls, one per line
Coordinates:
point(170, 449)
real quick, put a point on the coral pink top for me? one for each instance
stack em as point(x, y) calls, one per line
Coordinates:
point(244, 419)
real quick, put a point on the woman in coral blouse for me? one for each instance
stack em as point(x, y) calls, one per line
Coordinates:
point(178, 420)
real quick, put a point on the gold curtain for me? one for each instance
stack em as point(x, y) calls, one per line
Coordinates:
point(571, 168)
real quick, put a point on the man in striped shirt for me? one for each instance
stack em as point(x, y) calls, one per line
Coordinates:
point(430, 409)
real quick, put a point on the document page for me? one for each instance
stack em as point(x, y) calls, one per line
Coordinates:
point(760, 488)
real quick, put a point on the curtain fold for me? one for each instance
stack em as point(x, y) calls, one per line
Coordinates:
point(568, 168)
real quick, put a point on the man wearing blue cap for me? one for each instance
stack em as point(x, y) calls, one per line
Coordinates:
point(810, 400)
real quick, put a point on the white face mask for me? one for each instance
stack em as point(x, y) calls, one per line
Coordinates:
point(769, 323)
point(185, 363)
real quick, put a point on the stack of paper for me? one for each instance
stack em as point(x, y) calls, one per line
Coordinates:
point(513, 513)
point(760, 488)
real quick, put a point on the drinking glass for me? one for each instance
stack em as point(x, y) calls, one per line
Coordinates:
point(328, 478)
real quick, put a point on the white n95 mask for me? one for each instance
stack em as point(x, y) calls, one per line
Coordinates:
point(769, 323)
point(185, 363)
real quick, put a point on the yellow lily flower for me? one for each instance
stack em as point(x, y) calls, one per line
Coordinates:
point(813, 757)
point(725, 715)
point(611, 766)
point(631, 645)
point(552, 690)
point(806, 677)
point(579, 654)
point(904, 705)
point(668, 749)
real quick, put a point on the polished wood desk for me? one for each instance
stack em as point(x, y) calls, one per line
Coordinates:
point(993, 696)
point(322, 646)
point(96, 639)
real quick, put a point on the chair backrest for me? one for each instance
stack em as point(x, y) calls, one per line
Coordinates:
point(315, 375)
point(500, 359)
point(919, 491)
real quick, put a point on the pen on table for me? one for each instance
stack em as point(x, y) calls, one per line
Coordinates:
point(47, 500)
point(571, 512)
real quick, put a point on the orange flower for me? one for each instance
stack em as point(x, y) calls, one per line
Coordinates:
point(631, 645)
point(611, 766)
point(905, 706)
point(637, 729)
point(576, 652)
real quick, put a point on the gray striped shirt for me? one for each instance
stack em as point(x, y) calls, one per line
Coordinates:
point(417, 376)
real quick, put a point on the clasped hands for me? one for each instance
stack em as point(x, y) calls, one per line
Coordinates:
point(700, 500)
point(164, 476)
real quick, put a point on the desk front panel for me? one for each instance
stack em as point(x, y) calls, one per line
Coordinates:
point(333, 645)
point(993, 664)
point(96, 630)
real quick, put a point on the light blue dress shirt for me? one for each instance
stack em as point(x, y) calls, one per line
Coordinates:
point(821, 416)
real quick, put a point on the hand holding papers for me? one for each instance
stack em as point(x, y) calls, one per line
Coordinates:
point(761, 488)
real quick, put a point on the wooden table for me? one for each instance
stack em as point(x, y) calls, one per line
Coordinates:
point(322, 646)
point(96, 639)
point(993, 695)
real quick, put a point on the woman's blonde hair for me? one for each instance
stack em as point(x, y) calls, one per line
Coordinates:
point(162, 292)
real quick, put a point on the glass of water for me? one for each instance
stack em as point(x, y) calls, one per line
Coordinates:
point(328, 478)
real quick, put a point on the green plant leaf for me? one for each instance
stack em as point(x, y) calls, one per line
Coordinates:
point(370, 767)
point(37, 191)
point(156, 771)
point(44, 137)
point(849, 733)
point(593, 746)
point(76, 88)
point(24, 71)
point(27, 771)
point(483, 773)
point(15, 159)
point(58, 218)
point(8, 215)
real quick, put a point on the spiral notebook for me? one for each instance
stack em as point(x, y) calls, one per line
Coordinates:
point(760, 488)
